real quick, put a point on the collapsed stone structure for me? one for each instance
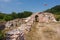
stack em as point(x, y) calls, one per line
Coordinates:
point(44, 17)
point(18, 33)
point(14, 23)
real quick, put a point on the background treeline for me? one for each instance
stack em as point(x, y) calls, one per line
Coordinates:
point(14, 15)
point(56, 11)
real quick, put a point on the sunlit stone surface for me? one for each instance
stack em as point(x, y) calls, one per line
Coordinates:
point(24, 26)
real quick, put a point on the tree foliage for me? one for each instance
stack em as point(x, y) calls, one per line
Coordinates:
point(14, 15)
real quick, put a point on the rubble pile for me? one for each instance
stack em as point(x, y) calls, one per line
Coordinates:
point(14, 23)
point(24, 26)
point(44, 17)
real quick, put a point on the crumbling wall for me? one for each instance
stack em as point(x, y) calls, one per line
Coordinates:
point(25, 28)
point(44, 17)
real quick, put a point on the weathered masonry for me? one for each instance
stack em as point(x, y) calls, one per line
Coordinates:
point(19, 32)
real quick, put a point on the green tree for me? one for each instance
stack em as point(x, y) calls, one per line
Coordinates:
point(7, 18)
point(26, 14)
point(20, 15)
point(2, 15)
point(14, 15)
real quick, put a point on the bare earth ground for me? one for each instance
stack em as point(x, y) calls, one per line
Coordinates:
point(44, 31)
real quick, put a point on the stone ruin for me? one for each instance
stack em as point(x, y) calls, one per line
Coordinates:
point(44, 17)
point(14, 23)
point(18, 33)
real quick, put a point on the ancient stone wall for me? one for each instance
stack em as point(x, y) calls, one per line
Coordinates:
point(44, 17)
point(25, 27)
